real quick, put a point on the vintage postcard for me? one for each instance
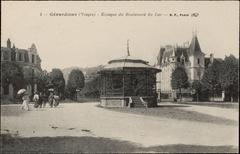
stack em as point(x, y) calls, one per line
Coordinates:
point(119, 76)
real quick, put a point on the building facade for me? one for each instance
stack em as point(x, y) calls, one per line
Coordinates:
point(29, 63)
point(189, 56)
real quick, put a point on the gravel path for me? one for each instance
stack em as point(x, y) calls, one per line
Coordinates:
point(87, 119)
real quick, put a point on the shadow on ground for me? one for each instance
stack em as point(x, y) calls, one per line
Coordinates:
point(175, 112)
point(95, 145)
point(215, 104)
point(173, 105)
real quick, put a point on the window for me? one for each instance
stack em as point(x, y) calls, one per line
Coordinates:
point(26, 57)
point(5, 55)
point(33, 60)
point(13, 55)
point(198, 60)
point(183, 61)
point(19, 56)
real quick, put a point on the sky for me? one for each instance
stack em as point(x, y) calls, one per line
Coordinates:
point(86, 41)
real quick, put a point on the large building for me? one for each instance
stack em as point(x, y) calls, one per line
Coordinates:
point(29, 63)
point(190, 56)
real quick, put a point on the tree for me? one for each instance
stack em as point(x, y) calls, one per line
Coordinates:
point(197, 87)
point(92, 87)
point(179, 80)
point(229, 77)
point(12, 73)
point(28, 73)
point(57, 81)
point(211, 78)
point(43, 81)
point(75, 81)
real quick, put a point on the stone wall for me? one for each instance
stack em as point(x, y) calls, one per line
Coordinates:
point(112, 102)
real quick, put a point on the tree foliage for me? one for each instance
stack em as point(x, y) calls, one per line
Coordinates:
point(229, 77)
point(199, 93)
point(12, 73)
point(57, 81)
point(28, 74)
point(211, 78)
point(75, 81)
point(179, 79)
point(43, 81)
point(92, 88)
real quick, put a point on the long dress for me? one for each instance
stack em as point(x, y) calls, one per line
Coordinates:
point(25, 103)
point(36, 100)
point(50, 99)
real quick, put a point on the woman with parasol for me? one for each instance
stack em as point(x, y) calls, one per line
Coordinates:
point(25, 98)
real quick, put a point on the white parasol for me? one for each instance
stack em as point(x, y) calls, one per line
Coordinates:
point(21, 91)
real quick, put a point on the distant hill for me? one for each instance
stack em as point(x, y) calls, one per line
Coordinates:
point(88, 72)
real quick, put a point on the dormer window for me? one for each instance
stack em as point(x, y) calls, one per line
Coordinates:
point(183, 61)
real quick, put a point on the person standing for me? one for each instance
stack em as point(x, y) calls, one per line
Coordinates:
point(36, 100)
point(56, 100)
point(25, 104)
point(40, 101)
point(44, 99)
point(50, 99)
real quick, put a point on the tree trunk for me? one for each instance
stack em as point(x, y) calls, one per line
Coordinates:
point(197, 96)
point(213, 94)
point(180, 91)
point(231, 93)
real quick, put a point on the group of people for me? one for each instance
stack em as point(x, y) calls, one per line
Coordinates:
point(40, 100)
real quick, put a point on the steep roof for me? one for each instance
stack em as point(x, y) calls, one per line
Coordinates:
point(22, 50)
point(128, 62)
point(170, 51)
point(194, 46)
point(5, 49)
point(208, 63)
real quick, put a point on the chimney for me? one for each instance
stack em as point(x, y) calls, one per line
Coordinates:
point(211, 58)
point(8, 43)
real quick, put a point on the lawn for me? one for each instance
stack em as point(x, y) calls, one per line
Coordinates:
point(95, 145)
point(175, 111)
point(216, 104)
